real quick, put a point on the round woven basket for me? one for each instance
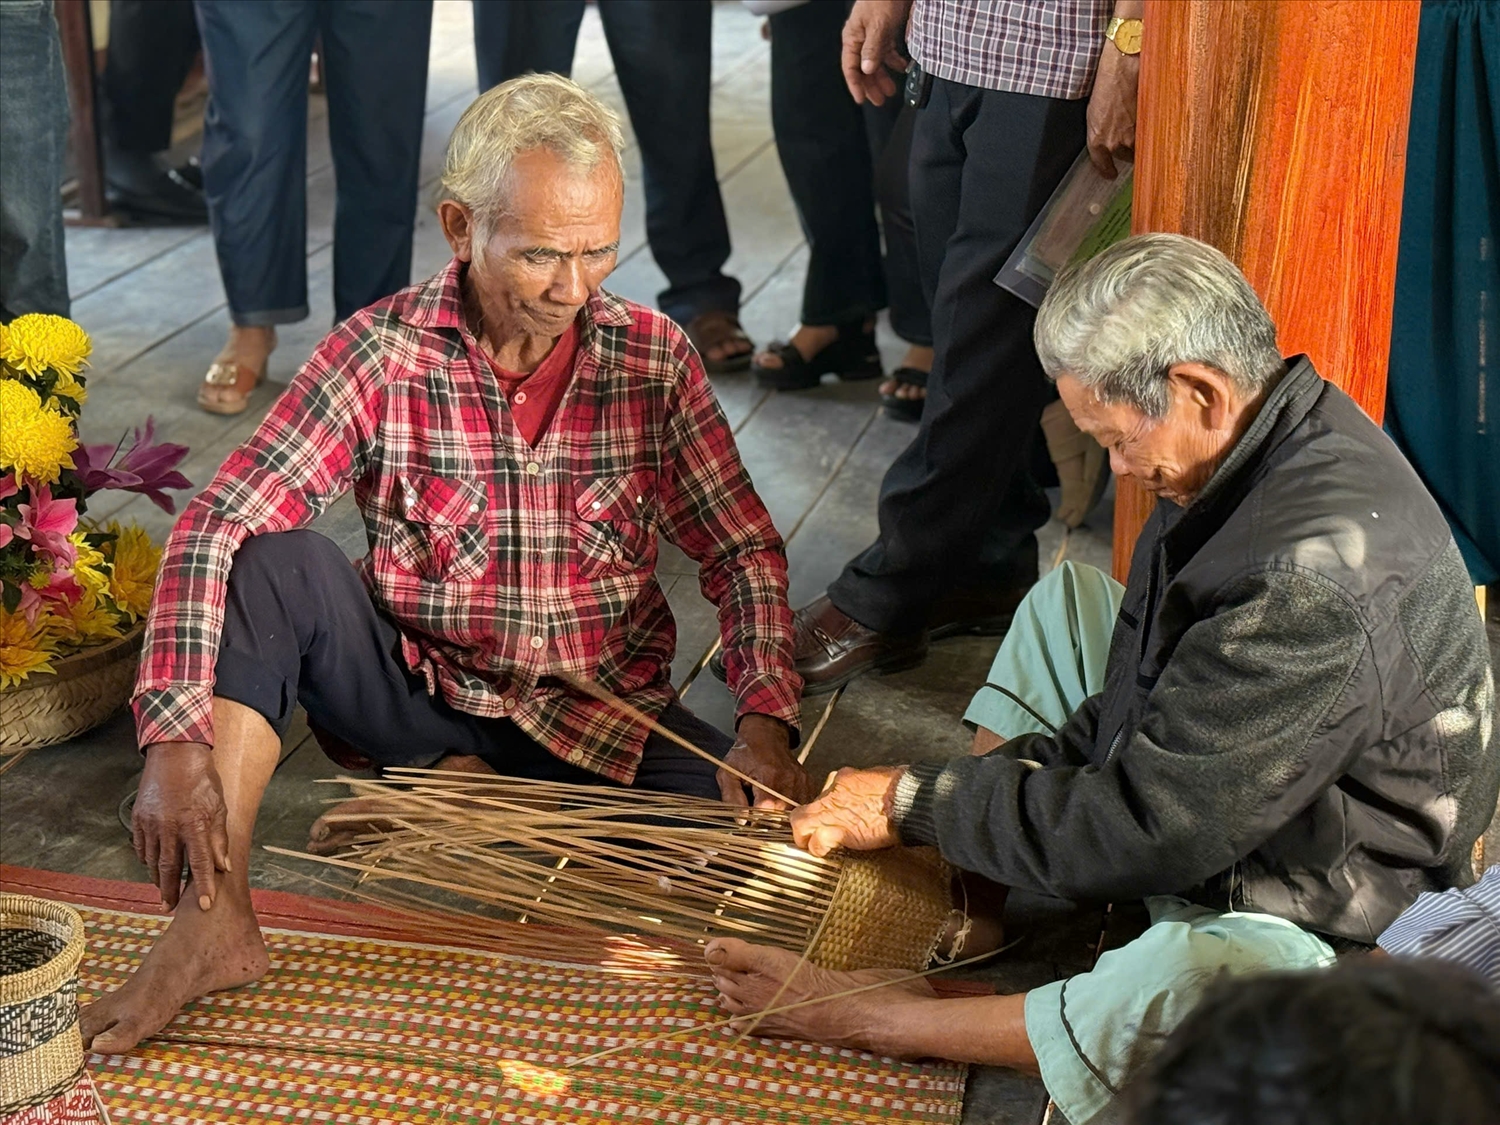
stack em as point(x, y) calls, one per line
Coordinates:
point(88, 688)
point(41, 1054)
point(888, 911)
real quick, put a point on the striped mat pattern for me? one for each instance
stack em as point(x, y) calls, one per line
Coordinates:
point(353, 1029)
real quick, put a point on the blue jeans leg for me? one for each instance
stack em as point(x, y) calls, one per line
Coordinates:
point(376, 53)
point(33, 137)
point(255, 152)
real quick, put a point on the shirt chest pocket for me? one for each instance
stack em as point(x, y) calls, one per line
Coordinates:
point(614, 525)
point(440, 533)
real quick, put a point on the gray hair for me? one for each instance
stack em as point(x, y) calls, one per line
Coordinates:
point(1120, 320)
point(530, 112)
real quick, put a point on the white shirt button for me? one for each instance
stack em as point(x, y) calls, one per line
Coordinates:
point(510, 703)
point(537, 642)
point(596, 505)
point(533, 468)
point(474, 507)
point(520, 397)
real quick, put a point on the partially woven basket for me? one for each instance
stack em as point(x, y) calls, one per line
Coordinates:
point(889, 911)
point(41, 1054)
point(88, 688)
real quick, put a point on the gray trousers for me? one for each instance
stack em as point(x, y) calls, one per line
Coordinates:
point(33, 139)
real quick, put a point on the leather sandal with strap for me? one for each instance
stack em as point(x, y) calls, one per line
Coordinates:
point(851, 355)
point(231, 375)
point(906, 408)
point(714, 329)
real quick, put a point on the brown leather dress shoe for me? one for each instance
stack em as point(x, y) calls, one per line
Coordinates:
point(831, 648)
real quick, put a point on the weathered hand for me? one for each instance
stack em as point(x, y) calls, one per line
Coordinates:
point(854, 814)
point(1111, 112)
point(180, 813)
point(871, 33)
point(763, 752)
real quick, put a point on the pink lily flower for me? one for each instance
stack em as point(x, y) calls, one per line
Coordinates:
point(148, 467)
point(8, 486)
point(7, 533)
point(48, 523)
point(61, 587)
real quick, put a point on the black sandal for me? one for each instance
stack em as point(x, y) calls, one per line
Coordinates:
point(853, 355)
point(714, 329)
point(906, 409)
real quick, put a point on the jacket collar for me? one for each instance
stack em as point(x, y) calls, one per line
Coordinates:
point(438, 303)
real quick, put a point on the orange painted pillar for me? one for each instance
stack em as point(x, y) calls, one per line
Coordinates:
point(1276, 131)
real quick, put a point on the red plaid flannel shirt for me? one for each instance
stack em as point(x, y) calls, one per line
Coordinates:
point(500, 563)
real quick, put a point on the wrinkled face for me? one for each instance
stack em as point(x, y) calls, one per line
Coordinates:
point(1172, 456)
point(553, 247)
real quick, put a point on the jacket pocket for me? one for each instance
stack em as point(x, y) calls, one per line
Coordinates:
point(440, 532)
point(614, 535)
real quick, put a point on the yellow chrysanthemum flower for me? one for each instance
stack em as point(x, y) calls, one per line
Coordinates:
point(90, 568)
point(24, 649)
point(134, 574)
point(88, 621)
point(38, 341)
point(34, 441)
point(69, 387)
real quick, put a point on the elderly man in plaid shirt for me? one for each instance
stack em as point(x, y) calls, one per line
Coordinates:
point(516, 439)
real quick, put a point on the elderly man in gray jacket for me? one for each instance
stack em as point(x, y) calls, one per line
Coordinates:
point(1277, 732)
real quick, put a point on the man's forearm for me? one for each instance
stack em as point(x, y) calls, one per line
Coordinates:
point(985, 1030)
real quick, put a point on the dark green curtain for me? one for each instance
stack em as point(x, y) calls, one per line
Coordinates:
point(1443, 398)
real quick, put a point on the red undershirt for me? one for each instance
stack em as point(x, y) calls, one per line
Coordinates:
point(534, 397)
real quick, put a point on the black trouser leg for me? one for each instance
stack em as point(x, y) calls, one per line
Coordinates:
point(663, 55)
point(300, 628)
point(512, 37)
point(889, 128)
point(957, 506)
point(152, 45)
point(825, 154)
point(376, 58)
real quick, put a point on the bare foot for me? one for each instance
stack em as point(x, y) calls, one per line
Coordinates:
point(749, 977)
point(201, 952)
point(345, 823)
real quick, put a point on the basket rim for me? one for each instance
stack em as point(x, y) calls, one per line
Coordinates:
point(17, 988)
point(86, 660)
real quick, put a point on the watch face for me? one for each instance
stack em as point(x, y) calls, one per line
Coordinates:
point(1128, 37)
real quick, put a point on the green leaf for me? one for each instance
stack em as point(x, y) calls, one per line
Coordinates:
point(10, 597)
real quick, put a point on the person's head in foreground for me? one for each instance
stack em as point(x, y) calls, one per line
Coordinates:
point(1373, 1041)
point(1162, 352)
point(534, 191)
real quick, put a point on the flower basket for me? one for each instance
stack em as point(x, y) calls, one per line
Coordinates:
point(89, 687)
point(41, 1054)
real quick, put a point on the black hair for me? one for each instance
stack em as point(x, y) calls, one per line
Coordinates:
point(1372, 1041)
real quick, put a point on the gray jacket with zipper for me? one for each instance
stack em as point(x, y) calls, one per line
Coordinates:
point(1298, 707)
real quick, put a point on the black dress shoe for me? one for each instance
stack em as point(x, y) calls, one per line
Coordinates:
point(982, 610)
point(136, 185)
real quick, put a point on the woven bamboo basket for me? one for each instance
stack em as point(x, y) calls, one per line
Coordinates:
point(889, 911)
point(88, 688)
point(41, 1054)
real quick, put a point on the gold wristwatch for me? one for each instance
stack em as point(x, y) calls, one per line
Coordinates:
point(1125, 35)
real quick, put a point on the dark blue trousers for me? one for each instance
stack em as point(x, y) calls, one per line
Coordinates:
point(299, 627)
point(663, 56)
point(374, 56)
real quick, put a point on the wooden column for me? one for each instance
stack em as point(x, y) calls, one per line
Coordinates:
point(1276, 131)
point(75, 30)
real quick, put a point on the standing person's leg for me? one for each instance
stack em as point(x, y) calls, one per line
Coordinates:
point(152, 46)
point(255, 179)
point(663, 55)
point(376, 55)
point(957, 508)
point(889, 128)
point(512, 37)
point(820, 138)
point(33, 139)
